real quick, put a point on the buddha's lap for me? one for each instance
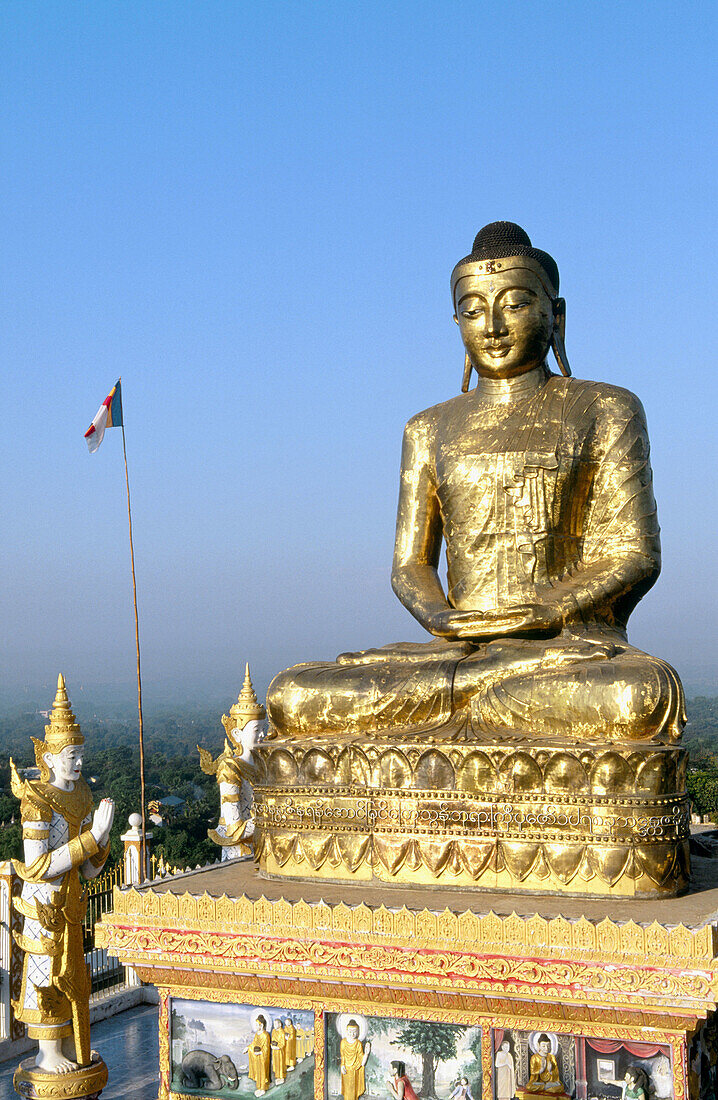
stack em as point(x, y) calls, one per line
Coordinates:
point(595, 670)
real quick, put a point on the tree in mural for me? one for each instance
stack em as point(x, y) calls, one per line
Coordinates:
point(196, 1026)
point(434, 1043)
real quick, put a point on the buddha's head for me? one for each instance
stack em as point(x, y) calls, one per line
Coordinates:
point(260, 1024)
point(352, 1031)
point(543, 1044)
point(506, 304)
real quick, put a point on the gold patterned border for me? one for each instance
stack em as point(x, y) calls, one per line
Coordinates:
point(235, 987)
point(600, 941)
point(164, 1028)
point(320, 1006)
point(572, 980)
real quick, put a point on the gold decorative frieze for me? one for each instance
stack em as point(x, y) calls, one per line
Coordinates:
point(580, 963)
point(498, 815)
point(605, 940)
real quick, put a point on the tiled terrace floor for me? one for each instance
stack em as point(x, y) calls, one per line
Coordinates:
point(128, 1043)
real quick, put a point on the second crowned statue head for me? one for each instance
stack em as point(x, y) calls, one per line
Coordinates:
point(59, 756)
point(506, 304)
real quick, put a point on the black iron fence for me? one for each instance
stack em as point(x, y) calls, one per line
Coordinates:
point(106, 973)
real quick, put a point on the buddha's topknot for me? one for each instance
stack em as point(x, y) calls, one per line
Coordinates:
point(500, 239)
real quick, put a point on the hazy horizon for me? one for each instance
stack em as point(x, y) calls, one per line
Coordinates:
point(251, 213)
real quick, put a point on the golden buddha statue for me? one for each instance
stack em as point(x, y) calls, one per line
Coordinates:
point(544, 1078)
point(528, 745)
point(539, 485)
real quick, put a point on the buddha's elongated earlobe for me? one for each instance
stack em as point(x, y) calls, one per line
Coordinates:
point(558, 336)
point(468, 367)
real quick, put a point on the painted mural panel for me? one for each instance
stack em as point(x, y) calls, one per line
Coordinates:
point(241, 1051)
point(528, 1065)
point(533, 1064)
point(622, 1070)
point(376, 1056)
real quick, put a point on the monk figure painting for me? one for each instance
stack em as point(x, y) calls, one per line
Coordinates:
point(385, 1058)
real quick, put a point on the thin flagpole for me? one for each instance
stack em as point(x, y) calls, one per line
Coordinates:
point(139, 678)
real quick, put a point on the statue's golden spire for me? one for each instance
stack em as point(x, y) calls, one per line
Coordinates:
point(62, 729)
point(246, 709)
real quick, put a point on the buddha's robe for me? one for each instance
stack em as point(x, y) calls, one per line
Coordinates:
point(259, 1057)
point(549, 500)
point(352, 1069)
point(543, 1075)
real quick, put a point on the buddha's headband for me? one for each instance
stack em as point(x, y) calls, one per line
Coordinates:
point(469, 267)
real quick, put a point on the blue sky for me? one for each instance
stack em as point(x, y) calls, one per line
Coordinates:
point(250, 211)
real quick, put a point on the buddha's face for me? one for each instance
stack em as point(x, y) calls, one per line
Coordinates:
point(352, 1033)
point(506, 320)
point(544, 1048)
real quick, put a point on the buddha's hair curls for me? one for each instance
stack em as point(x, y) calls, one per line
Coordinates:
point(500, 239)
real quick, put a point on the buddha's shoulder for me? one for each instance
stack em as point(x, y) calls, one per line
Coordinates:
point(584, 395)
point(427, 421)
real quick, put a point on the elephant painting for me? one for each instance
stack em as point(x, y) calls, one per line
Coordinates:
point(202, 1070)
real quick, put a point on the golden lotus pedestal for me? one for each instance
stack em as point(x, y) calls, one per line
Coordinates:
point(85, 1083)
point(450, 981)
point(587, 820)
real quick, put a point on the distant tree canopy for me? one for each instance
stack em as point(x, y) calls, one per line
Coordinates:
point(701, 740)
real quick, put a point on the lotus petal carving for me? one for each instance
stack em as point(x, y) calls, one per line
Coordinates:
point(318, 767)
point(611, 774)
point(281, 767)
point(520, 772)
point(565, 773)
point(519, 857)
point(477, 774)
point(434, 772)
point(394, 770)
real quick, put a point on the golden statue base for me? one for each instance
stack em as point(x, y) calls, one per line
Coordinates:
point(519, 817)
point(538, 1094)
point(86, 1083)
